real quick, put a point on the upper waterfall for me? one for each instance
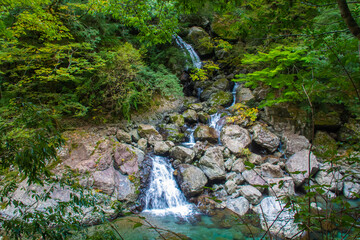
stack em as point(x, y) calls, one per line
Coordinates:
point(194, 57)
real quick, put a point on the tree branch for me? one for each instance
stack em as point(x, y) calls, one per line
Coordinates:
point(348, 18)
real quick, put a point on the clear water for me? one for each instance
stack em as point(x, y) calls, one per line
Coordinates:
point(233, 92)
point(163, 195)
point(222, 225)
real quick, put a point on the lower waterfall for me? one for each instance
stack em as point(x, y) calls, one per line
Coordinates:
point(163, 195)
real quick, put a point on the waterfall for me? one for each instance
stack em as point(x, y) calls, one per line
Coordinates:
point(233, 92)
point(194, 57)
point(191, 141)
point(163, 195)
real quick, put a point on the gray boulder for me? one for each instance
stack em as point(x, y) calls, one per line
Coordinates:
point(177, 119)
point(150, 133)
point(253, 177)
point(235, 138)
point(250, 193)
point(185, 155)
point(265, 138)
point(163, 147)
point(281, 186)
point(212, 163)
point(334, 179)
point(294, 143)
point(273, 215)
point(299, 162)
point(142, 144)
point(238, 166)
point(244, 95)
point(206, 133)
point(123, 136)
point(192, 179)
point(190, 116)
point(256, 159)
point(230, 186)
point(271, 171)
point(239, 205)
point(351, 189)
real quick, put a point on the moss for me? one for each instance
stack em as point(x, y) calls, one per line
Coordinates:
point(221, 98)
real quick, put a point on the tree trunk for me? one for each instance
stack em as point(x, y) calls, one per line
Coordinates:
point(348, 18)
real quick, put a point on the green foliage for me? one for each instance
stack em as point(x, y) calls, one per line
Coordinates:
point(205, 72)
point(29, 139)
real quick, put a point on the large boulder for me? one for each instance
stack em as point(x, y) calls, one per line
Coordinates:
point(200, 40)
point(238, 166)
point(104, 181)
point(294, 143)
point(244, 95)
point(173, 132)
point(330, 120)
point(163, 147)
point(279, 187)
point(235, 138)
point(253, 177)
point(221, 84)
point(274, 217)
point(239, 205)
point(150, 133)
point(265, 138)
point(298, 163)
point(123, 136)
point(185, 155)
point(127, 159)
point(125, 188)
point(331, 178)
point(206, 133)
point(350, 131)
point(230, 186)
point(220, 98)
point(271, 171)
point(351, 190)
point(177, 119)
point(192, 179)
point(190, 116)
point(250, 193)
point(324, 145)
point(212, 163)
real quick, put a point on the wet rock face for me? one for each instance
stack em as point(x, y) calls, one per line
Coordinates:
point(192, 179)
point(265, 138)
point(235, 138)
point(299, 162)
point(206, 133)
point(212, 163)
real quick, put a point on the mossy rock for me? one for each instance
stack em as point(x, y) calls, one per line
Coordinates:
point(200, 40)
point(221, 98)
point(177, 119)
point(221, 84)
point(350, 131)
point(324, 145)
point(173, 133)
point(330, 119)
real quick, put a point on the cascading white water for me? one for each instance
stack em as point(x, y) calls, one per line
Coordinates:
point(163, 195)
point(233, 92)
point(194, 57)
point(191, 141)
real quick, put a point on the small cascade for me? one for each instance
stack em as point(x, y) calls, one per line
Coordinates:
point(194, 57)
point(163, 195)
point(215, 121)
point(199, 91)
point(233, 92)
point(191, 141)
